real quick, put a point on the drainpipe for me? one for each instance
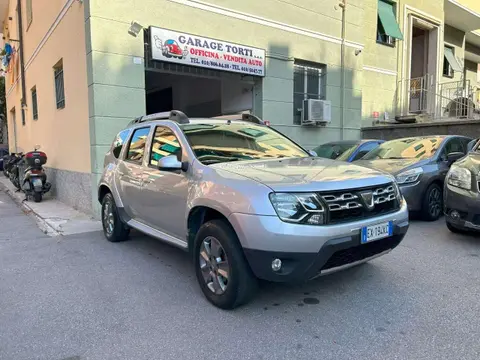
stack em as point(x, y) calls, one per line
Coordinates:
point(343, 5)
point(22, 60)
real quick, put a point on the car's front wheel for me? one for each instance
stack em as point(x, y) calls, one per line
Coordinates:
point(432, 203)
point(222, 271)
point(113, 227)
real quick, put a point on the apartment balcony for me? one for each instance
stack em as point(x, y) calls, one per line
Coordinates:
point(461, 16)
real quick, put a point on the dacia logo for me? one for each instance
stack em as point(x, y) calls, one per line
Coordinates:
point(367, 197)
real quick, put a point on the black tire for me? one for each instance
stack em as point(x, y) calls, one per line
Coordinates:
point(37, 197)
point(432, 206)
point(119, 231)
point(454, 229)
point(242, 284)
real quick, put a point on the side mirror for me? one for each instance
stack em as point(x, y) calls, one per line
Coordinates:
point(37, 147)
point(171, 163)
point(454, 156)
point(312, 153)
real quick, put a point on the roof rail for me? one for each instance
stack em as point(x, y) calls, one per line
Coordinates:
point(243, 117)
point(174, 115)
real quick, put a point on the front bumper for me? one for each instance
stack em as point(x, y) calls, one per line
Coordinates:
point(413, 194)
point(466, 203)
point(310, 251)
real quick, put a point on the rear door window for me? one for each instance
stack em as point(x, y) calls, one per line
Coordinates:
point(119, 141)
point(365, 149)
point(136, 148)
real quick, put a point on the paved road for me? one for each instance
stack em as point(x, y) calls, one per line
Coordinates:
point(81, 297)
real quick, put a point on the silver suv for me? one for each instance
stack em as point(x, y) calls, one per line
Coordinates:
point(246, 202)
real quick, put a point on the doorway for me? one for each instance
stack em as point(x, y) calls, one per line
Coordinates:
point(198, 95)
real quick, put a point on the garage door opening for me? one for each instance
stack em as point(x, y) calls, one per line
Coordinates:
point(197, 95)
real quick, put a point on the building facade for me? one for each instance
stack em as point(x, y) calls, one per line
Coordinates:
point(89, 70)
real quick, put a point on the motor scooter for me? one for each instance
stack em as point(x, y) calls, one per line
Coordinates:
point(35, 182)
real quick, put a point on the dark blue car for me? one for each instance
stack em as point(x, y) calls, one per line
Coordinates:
point(347, 150)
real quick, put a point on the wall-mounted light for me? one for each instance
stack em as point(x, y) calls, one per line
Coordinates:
point(135, 29)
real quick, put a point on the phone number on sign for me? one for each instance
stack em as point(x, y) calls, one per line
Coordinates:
point(233, 67)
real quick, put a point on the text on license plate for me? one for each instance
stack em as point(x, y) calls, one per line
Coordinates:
point(376, 232)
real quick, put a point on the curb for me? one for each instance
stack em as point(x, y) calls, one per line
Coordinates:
point(27, 210)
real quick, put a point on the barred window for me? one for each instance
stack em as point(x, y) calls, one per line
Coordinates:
point(309, 82)
point(34, 103)
point(59, 85)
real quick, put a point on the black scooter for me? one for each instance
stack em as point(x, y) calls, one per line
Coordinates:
point(34, 177)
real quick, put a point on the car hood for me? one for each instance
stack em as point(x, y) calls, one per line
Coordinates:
point(306, 174)
point(391, 166)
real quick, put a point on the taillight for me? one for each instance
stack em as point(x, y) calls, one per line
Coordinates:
point(36, 153)
point(36, 172)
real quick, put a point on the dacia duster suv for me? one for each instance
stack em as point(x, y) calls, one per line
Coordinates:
point(246, 201)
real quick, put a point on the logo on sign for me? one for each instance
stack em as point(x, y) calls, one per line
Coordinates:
point(171, 49)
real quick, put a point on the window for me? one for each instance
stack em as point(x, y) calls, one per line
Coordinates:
point(136, 150)
point(59, 85)
point(387, 26)
point(406, 148)
point(118, 142)
point(29, 13)
point(220, 142)
point(34, 103)
point(454, 145)
point(164, 143)
point(309, 82)
point(365, 149)
point(450, 63)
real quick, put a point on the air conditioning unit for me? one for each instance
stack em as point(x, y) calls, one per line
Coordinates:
point(316, 112)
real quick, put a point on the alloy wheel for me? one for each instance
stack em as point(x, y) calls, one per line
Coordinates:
point(435, 202)
point(108, 218)
point(214, 265)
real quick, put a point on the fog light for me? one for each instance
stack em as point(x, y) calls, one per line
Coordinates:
point(455, 215)
point(276, 265)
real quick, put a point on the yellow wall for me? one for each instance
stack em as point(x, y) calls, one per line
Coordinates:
point(63, 134)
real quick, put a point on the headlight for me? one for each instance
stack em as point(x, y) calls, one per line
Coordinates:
point(409, 176)
point(460, 177)
point(298, 208)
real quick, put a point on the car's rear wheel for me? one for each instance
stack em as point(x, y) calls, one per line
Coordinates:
point(113, 227)
point(432, 203)
point(222, 271)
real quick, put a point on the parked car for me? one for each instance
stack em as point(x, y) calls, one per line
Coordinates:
point(246, 202)
point(472, 144)
point(3, 152)
point(420, 165)
point(462, 193)
point(346, 150)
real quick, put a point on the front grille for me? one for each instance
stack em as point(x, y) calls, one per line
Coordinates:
point(344, 206)
point(361, 252)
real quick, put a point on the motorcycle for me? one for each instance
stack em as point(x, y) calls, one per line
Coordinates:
point(10, 168)
point(34, 177)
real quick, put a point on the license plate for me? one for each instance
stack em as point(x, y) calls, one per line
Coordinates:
point(37, 182)
point(376, 232)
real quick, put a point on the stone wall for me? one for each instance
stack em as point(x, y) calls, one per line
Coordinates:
point(470, 128)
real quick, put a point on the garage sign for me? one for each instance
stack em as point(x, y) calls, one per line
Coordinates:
point(186, 49)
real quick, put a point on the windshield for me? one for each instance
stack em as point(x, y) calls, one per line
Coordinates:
point(411, 148)
point(335, 150)
point(222, 142)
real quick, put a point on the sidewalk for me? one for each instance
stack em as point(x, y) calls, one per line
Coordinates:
point(53, 217)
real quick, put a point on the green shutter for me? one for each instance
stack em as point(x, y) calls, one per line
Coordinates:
point(452, 60)
point(388, 19)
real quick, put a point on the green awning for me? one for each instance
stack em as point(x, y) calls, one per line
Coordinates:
point(388, 19)
point(452, 60)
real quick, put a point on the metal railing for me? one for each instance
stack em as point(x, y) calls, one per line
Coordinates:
point(452, 100)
